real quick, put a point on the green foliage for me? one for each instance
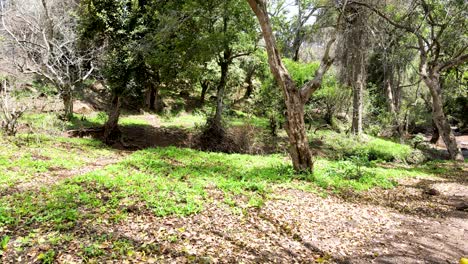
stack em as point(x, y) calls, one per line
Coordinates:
point(175, 181)
point(371, 148)
point(48, 257)
point(22, 159)
point(301, 72)
point(4, 243)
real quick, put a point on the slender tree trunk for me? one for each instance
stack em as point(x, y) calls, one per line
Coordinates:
point(220, 92)
point(205, 86)
point(67, 97)
point(358, 90)
point(392, 108)
point(249, 81)
point(297, 46)
point(440, 119)
point(111, 128)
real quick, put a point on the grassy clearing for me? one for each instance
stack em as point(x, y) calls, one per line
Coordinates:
point(372, 148)
point(177, 181)
point(188, 121)
point(164, 182)
point(27, 156)
point(49, 123)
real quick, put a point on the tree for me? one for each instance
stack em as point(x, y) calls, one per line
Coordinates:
point(435, 26)
point(145, 45)
point(46, 44)
point(354, 43)
point(229, 35)
point(295, 98)
point(294, 22)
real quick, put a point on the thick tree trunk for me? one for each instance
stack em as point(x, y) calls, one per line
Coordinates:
point(295, 98)
point(440, 119)
point(358, 90)
point(295, 127)
point(220, 92)
point(435, 133)
point(111, 128)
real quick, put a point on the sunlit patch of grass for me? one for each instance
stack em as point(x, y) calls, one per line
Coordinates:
point(44, 122)
point(168, 181)
point(26, 156)
point(183, 120)
point(344, 146)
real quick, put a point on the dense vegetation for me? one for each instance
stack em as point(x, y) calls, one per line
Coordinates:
point(132, 128)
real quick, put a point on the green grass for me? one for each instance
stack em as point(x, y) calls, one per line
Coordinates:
point(345, 146)
point(27, 156)
point(49, 123)
point(173, 181)
point(184, 120)
point(161, 182)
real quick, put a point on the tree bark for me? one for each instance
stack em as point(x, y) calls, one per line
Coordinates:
point(432, 81)
point(249, 81)
point(224, 64)
point(299, 149)
point(435, 133)
point(358, 90)
point(295, 98)
point(205, 86)
point(392, 106)
point(67, 98)
point(111, 128)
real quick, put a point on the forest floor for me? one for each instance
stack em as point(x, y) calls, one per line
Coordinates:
point(67, 200)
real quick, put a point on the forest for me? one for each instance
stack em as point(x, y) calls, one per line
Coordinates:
point(233, 131)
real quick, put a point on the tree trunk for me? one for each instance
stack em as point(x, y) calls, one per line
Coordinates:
point(205, 86)
point(249, 81)
point(295, 127)
point(67, 98)
point(440, 119)
point(435, 133)
point(295, 98)
point(358, 89)
point(392, 107)
point(111, 128)
point(220, 91)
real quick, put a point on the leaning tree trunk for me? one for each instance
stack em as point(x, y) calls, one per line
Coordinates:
point(440, 119)
point(111, 128)
point(295, 98)
point(435, 133)
point(205, 85)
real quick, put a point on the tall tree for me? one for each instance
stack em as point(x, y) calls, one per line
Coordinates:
point(229, 33)
point(439, 29)
point(46, 44)
point(354, 55)
point(295, 98)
